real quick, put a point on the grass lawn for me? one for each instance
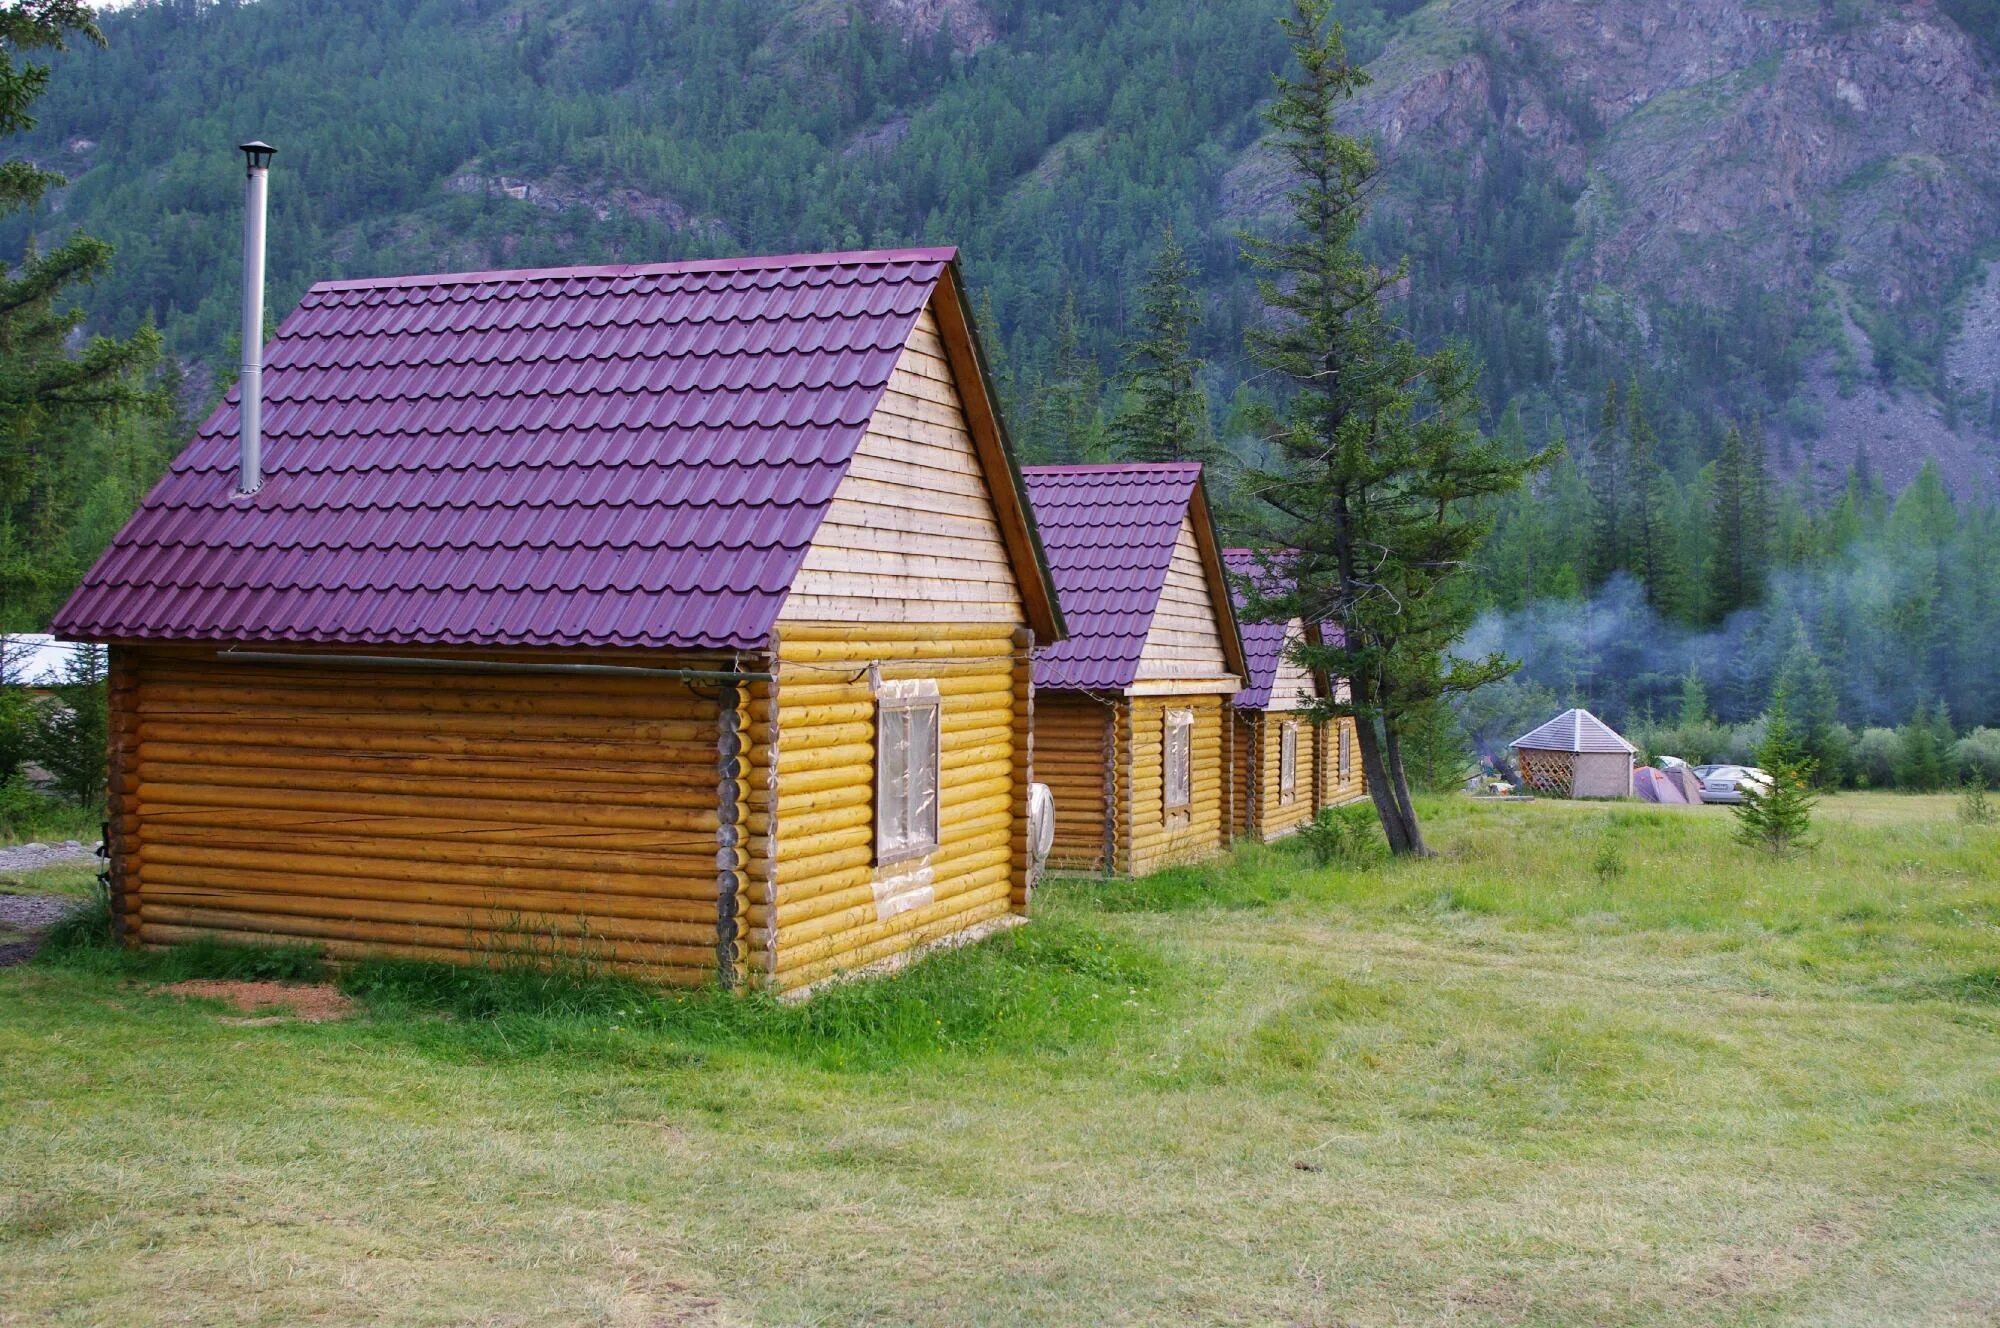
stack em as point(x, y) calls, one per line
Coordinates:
point(1591, 1065)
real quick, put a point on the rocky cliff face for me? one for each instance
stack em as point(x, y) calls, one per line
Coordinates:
point(1843, 158)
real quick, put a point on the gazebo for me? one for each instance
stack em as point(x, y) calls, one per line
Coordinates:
point(1576, 755)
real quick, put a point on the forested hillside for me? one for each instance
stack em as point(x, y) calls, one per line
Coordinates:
point(1778, 210)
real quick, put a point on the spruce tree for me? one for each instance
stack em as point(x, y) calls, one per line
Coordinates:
point(1805, 693)
point(1608, 500)
point(1166, 413)
point(1382, 478)
point(44, 383)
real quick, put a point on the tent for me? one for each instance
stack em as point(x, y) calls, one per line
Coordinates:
point(1576, 755)
point(1657, 786)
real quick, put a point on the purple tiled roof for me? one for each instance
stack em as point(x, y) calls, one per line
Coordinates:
point(1110, 533)
point(631, 456)
point(1263, 642)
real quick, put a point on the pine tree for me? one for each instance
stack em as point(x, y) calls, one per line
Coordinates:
point(1608, 499)
point(1804, 692)
point(1778, 818)
point(1926, 756)
point(1739, 527)
point(43, 382)
point(1166, 416)
point(1382, 478)
point(1694, 700)
point(1068, 420)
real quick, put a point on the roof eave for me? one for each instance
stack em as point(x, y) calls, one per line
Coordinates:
point(989, 433)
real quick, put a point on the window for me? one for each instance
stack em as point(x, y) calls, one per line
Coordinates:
point(1288, 761)
point(1346, 752)
point(906, 770)
point(1176, 780)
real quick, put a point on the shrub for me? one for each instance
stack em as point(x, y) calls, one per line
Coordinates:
point(21, 805)
point(1348, 836)
point(1876, 755)
point(1974, 807)
point(1976, 756)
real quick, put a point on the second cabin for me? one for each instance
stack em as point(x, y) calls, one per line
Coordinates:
point(1132, 713)
point(1287, 769)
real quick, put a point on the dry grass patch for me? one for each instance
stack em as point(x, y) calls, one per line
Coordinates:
point(1504, 1087)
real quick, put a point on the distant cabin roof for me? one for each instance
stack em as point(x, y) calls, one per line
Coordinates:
point(1110, 533)
point(1574, 731)
point(630, 456)
point(1263, 642)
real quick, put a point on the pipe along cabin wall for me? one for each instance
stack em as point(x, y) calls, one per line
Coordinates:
point(1147, 842)
point(441, 815)
point(822, 903)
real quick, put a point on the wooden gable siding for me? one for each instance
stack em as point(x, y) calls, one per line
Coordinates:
point(445, 815)
point(821, 905)
point(1074, 757)
point(911, 535)
point(1294, 686)
point(1185, 639)
point(1147, 841)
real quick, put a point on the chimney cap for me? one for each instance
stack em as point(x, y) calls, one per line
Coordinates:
point(257, 153)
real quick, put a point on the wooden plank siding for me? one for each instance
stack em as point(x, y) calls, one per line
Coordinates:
point(831, 908)
point(1185, 638)
point(911, 535)
point(1073, 756)
point(1147, 842)
point(436, 814)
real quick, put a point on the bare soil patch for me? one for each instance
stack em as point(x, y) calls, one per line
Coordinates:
point(313, 1003)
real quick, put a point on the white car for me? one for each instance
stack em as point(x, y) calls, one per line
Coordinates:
point(1726, 783)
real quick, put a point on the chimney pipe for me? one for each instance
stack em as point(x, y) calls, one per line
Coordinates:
point(257, 158)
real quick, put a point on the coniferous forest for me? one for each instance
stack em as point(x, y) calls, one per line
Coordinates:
point(1686, 566)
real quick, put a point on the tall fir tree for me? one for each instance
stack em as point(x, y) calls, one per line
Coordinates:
point(1166, 412)
point(1608, 499)
point(1383, 478)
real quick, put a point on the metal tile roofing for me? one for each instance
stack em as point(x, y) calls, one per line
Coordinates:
point(1110, 533)
point(1574, 731)
point(632, 456)
point(1263, 642)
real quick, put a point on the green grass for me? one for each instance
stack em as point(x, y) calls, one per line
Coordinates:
point(76, 878)
point(1528, 1082)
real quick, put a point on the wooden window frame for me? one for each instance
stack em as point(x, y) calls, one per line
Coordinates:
point(1346, 752)
point(1177, 812)
point(911, 702)
point(1288, 761)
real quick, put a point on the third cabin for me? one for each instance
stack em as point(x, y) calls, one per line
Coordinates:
point(1131, 719)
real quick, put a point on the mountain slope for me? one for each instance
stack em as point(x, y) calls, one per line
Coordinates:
point(1768, 206)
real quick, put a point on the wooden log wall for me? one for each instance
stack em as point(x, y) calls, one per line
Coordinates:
point(832, 908)
point(1243, 755)
point(1074, 757)
point(1334, 791)
point(1152, 842)
point(1274, 817)
point(452, 815)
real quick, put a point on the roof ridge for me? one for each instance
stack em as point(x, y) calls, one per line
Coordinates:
point(1109, 467)
point(747, 263)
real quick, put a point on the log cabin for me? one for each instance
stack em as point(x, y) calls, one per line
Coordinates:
point(1287, 769)
point(1132, 724)
point(678, 617)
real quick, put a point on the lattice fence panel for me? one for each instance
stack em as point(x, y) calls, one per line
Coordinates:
point(1553, 773)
